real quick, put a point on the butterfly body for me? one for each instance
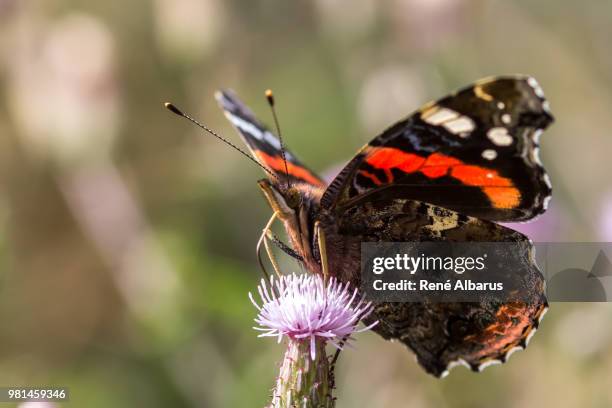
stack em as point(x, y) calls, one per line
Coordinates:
point(298, 209)
point(448, 172)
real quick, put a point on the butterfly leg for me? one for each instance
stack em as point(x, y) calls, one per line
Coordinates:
point(322, 250)
point(263, 240)
point(325, 268)
point(284, 247)
point(271, 256)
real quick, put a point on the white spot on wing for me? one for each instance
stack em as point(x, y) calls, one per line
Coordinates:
point(512, 351)
point(220, 96)
point(461, 126)
point(501, 105)
point(537, 89)
point(500, 136)
point(452, 121)
point(506, 118)
point(489, 154)
point(453, 364)
point(535, 155)
point(488, 364)
point(546, 179)
point(542, 314)
point(440, 116)
point(245, 126)
point(536, 136)
point(530, 335)
point(257, 133)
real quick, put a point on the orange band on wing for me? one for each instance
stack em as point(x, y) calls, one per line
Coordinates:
point(388, 158)
point(277, 164)
point(503, 197)
point(371, 176)
point(512, 324)
point(500, 190)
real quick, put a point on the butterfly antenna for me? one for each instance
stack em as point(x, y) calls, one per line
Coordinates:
point(270, 98)
point(178, 112)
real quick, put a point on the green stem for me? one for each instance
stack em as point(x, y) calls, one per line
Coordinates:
point(303, 382)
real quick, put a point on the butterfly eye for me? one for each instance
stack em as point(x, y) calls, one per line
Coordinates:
point(293, 198)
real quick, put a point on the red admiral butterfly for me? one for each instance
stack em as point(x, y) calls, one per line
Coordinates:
point(449, 171)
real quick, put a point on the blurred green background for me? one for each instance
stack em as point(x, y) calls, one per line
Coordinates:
point(127, 237)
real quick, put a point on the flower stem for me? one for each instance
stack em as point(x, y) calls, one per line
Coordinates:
point(303, 382)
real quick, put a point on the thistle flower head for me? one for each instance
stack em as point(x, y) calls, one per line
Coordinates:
point(304, 307)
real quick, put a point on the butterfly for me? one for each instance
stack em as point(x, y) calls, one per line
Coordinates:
point(450, 171)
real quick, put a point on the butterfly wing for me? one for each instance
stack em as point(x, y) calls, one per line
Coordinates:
point(475, 151)
point(262, 143)
point(441, 335)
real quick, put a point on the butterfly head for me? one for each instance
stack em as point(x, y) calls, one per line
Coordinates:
point(285, 202)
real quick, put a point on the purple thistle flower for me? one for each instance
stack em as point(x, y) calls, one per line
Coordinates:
point(304, 307)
